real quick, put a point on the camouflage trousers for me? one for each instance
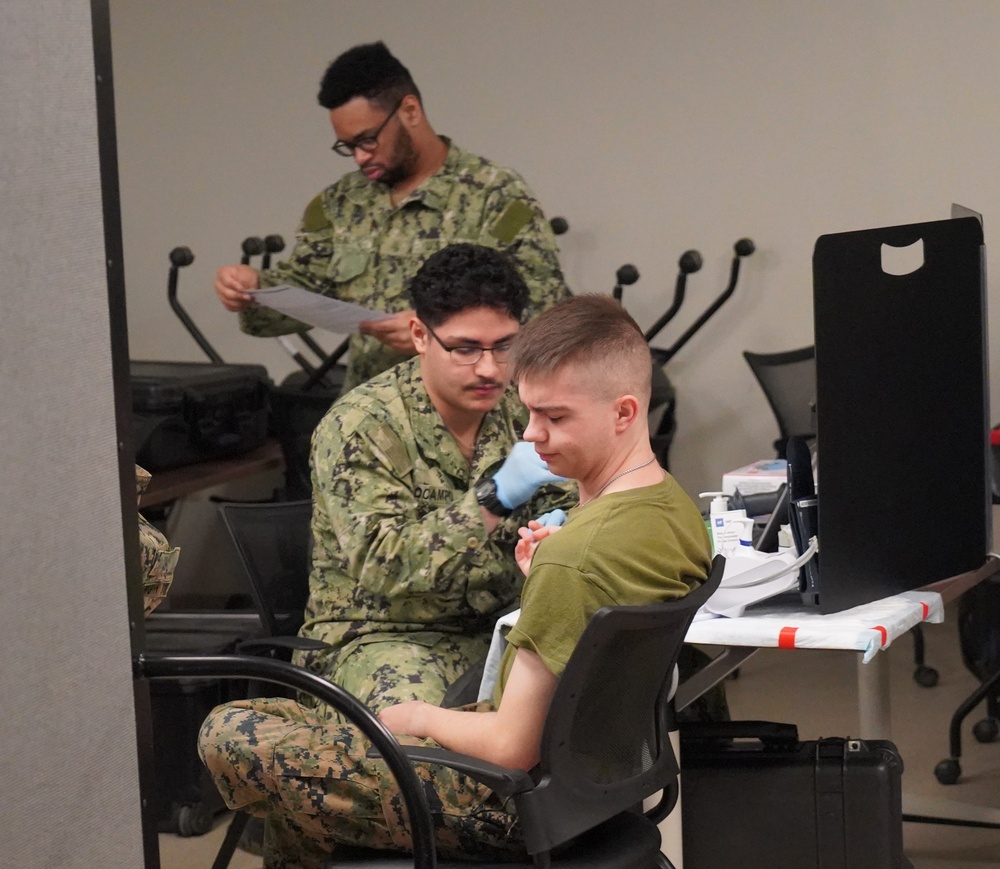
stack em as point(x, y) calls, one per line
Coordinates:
point(275, 758)
point(400, 667)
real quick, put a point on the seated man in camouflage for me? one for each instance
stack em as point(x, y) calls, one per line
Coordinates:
point(583, 371)
point(419, 486)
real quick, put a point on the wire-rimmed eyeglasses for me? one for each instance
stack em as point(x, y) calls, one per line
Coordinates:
point(364, 143)
point(469, 355)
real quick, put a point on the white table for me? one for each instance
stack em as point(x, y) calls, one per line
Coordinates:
point(786, 624)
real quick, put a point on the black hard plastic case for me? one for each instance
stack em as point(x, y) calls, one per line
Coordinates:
point(188, 412)
point(754, 796)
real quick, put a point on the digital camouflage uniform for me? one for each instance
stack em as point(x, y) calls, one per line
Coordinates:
point(275, 758)
point(354, 244)
point(157, 558)
point(406, 584)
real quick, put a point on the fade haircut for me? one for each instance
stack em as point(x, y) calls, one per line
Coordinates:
point(463, 276)
point(593, 332)
point(368, 71)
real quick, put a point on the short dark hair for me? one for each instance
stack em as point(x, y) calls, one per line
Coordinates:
point(463, 276)
point(592, 331)
point(368, 71)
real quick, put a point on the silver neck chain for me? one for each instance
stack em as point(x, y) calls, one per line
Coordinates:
point(618, 477)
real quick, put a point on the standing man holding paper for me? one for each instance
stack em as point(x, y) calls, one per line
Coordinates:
point(414, 192)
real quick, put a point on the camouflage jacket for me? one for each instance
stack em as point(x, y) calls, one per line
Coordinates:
point(399, 543)
point(354, 244)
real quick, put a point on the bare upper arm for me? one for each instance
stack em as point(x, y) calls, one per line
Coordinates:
point(523, 708)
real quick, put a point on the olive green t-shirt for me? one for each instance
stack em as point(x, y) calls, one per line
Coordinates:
point(634, 547)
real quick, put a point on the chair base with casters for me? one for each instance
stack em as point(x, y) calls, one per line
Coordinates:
point(949, 770)
point(979, 636)
point(605, 744)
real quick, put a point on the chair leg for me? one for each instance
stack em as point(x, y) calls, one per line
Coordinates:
point(949, 770)
point(228, 847)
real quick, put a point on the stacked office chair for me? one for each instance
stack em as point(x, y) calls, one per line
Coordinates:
point(788, 379)
point(605, 744)
point(273, 541)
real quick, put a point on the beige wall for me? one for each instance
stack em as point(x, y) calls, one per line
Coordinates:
point(653, 127)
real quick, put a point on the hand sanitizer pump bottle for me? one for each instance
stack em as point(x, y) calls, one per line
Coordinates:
point(726, 526)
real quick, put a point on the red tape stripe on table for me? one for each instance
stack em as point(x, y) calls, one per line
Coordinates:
point(786, 638)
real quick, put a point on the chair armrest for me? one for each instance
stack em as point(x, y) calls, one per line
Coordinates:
point(667, 801)
point(257, 645)
point(502, 780)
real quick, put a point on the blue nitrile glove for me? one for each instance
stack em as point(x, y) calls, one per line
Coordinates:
point(553, 517)
point(520, 475)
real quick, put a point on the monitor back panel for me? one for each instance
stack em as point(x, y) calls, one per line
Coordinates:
point(902, 410)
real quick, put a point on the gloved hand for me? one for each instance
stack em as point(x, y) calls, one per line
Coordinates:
point(520, 475)
point(553, 517)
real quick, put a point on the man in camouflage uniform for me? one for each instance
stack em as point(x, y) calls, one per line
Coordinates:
point(364, 237)
point(583, 370)
point(412, 561)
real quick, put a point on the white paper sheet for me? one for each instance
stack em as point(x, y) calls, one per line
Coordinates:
point(316, 309)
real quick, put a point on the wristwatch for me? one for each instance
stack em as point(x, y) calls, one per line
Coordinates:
point(486, 495)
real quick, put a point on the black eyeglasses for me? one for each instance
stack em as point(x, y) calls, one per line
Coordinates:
point(467, 355)
point(364, 143)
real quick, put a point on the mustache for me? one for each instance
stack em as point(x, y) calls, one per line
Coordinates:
point(484, 382)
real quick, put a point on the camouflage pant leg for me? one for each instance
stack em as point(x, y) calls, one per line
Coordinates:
point(277, 759)
point(384, 673)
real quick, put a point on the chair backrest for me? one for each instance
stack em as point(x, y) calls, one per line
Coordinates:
point(274, 543)
point(606, 744)
point(789, 383)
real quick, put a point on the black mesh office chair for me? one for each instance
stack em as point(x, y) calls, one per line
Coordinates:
point(274, 542)
point(789, 383)
point(605, 745)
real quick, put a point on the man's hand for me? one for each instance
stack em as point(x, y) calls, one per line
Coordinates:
point(392, 331)
point(232, 285)
point(406, 718)
point(531, 536)
point(521, 474)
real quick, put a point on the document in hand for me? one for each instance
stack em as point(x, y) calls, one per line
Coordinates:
point(316, 309)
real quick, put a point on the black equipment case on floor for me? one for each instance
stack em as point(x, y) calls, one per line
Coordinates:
point(187, 412)
point(754, 796)
point(186, 799)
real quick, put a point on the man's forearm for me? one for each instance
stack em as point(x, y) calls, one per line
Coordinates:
point(477, 734)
